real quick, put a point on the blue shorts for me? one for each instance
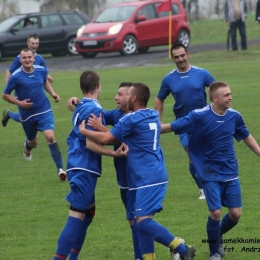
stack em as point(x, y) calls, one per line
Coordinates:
point(184, 139)
point(149, 200)
point(82, 189)
point(38, 123)
point(226, 194)
point(128, 199)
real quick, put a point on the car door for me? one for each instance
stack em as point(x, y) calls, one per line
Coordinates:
point(16, 36)
point(147, 30)
point(163, 21)
point(52, 33)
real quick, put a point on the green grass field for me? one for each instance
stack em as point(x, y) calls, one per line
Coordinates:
point(33, 210)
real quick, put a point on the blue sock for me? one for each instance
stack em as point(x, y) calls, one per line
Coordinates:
point(146, 241)
point(67, 238)
point(213, 230)
point(226, 224)
point(137, 252)
point(74, 253)
point(193, 174)
point(15, 116)
point(56, 155)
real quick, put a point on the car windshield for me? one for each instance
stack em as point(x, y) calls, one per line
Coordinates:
point(116, 14)
point(5, 25)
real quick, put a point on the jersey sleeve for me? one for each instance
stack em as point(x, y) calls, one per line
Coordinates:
point(184, 124)
point(241, 131)
point(10, 86)
point(208, 78)
point(164, 89)
point(15, 65)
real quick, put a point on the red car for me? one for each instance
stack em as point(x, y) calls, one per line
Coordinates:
point(133, 26)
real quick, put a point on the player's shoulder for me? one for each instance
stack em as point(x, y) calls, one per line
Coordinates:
point(202, 110)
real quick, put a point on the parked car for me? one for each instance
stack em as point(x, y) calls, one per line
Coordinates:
point(56, 30)
point(133, 26)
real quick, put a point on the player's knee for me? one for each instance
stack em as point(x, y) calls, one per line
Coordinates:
point(215, 214)
point(235, 215)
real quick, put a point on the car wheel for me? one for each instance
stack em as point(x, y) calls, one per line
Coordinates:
point(70, 46)
point(88, 55)
point(129, 45)
point(184, 37)
point(143, 49)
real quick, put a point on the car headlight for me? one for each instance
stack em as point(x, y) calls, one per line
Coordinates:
point(115, 29)
point(80, 30)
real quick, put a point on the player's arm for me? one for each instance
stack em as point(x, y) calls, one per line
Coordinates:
point(7, 76)
point(99, 137)
point(96, 123)
point(99, 149)
point(50, 78)
point(25, 104)
point(50, 90)
point(158, 105)
point(166, 128)
point(252, 144)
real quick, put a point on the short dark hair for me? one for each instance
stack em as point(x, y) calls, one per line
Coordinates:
point(178, 45)
point(89, 81)
point(127, 84)
point(215, 86)
point(142, 93)
point(25, 50)
point(34, 36)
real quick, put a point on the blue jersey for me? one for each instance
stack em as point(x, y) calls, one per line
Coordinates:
point(112, 117)
point(38, 60)
point(29, 85)
point(140, 130)
point(211, 143)
point(187, 88)
point(79, 157)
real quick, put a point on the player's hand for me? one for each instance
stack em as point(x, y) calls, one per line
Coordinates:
point(25, 104)
point(56, 98)
point(72, 102)
point(82, 126)
point(122, 150)
point(95, 122)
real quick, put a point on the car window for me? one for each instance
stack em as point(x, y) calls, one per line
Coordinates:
point(116, 14)
point(52, 20)
point(5, 25)
point(148, 12)
point(72, 19)
point(175, 10)
point(29, 23)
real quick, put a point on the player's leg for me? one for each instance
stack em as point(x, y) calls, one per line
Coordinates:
point(184, 139)
point(213, 196)
point(46, 125)
point(232, 199)
point(81, 195)
point(7, 114)
point(30, 130)
point(128, 198)
point(148, 202)
point(74, 253)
